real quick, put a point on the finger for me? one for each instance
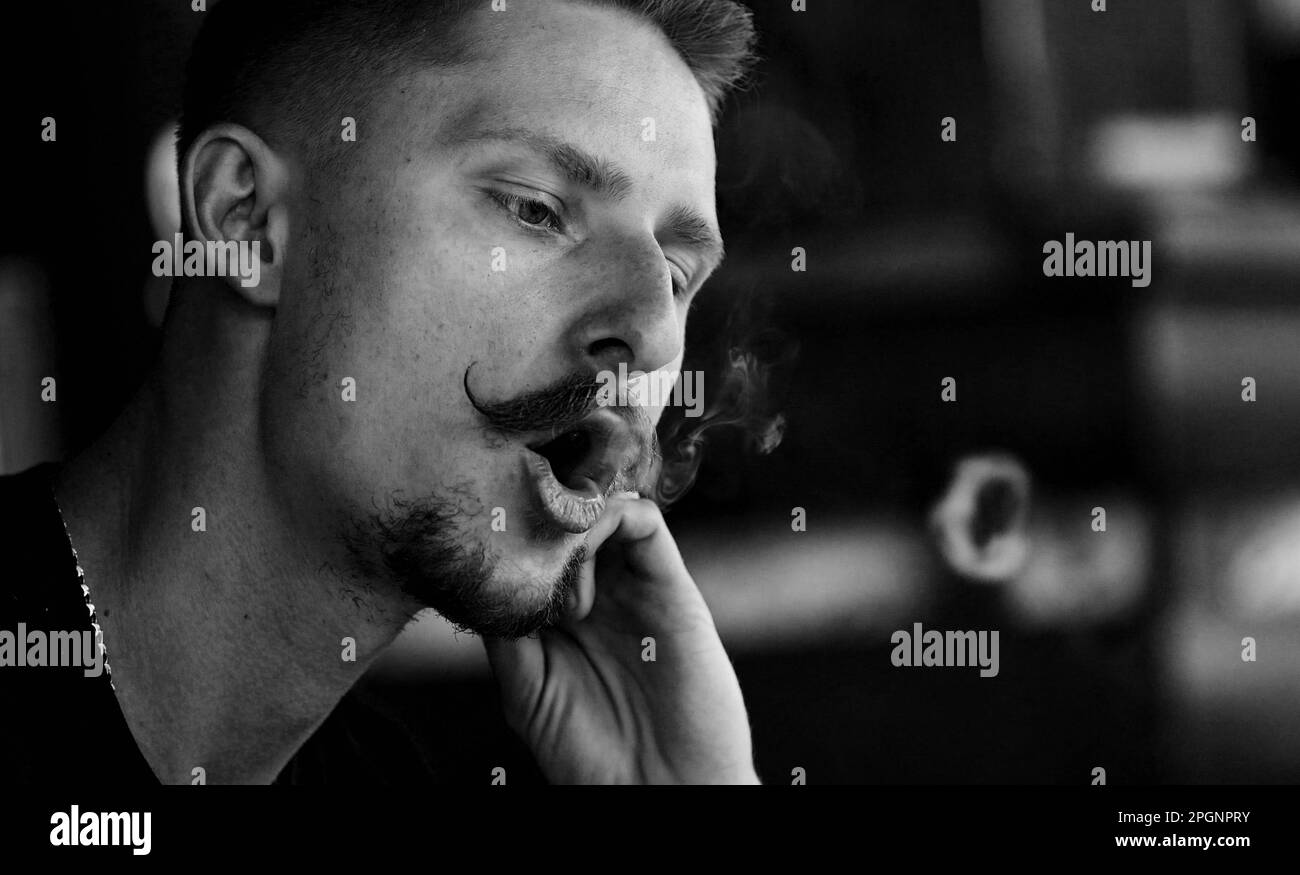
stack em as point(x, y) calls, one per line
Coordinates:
point(648, 548)
point(634, 535)
point(584, 593)
point(638, 519)
point(609, 521)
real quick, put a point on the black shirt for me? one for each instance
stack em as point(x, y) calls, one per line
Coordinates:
point(59, 726)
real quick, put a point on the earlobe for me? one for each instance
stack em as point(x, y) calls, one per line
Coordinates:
point(233, 188)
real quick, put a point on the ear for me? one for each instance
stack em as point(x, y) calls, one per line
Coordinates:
point(234, 188)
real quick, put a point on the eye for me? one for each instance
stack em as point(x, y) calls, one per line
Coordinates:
point(531, 212)
point(680, 283)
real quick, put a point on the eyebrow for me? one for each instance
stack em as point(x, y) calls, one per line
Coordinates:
point(579, 167)
point(693, 230)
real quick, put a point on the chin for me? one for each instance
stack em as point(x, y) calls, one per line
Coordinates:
point(446, 551)
point(522, 596)
point(504, 584)
point(536, 564)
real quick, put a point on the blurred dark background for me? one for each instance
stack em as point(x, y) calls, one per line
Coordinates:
point(1119, 649)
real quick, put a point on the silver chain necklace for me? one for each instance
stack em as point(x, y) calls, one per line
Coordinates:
point(85, 594)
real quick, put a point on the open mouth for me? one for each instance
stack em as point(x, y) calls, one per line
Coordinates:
point(573, 471)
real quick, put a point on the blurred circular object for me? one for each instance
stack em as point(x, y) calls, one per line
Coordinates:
point(980, 523)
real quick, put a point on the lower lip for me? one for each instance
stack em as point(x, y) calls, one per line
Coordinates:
point(568, 509)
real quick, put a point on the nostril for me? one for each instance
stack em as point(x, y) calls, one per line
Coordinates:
point(609, 351)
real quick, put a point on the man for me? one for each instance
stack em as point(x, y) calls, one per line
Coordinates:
point(463, 214)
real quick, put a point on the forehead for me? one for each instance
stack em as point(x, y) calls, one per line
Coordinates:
point(601, 78)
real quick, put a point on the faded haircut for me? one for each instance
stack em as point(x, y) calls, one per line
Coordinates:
point(288, 68)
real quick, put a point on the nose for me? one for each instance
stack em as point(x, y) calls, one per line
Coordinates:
point(632, 317)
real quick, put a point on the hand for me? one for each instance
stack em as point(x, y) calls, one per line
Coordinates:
point(590, 708)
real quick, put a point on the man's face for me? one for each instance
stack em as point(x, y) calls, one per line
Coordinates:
point(535, 217)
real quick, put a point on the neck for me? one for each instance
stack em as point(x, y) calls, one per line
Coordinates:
point(226, 643)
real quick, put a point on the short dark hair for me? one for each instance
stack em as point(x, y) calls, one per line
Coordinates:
point(296, 64)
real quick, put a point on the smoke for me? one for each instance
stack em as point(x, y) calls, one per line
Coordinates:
point(776, 171)
point(737, 396)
